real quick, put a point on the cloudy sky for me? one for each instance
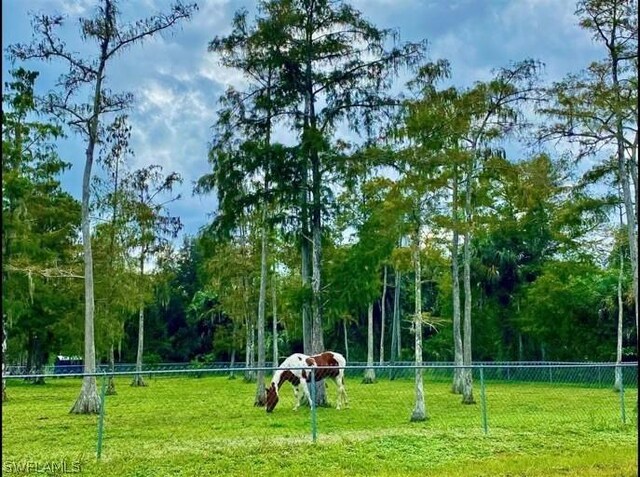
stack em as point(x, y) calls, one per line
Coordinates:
point(176, 82)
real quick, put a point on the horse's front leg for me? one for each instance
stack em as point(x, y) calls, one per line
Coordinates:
point(305, 388)
point(297, 398)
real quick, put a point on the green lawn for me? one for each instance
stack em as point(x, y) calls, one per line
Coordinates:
point(186, 427)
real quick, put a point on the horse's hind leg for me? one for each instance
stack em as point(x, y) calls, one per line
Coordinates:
point(305, 389)
point(342, 392)
point(336, 380)
point(296, 394)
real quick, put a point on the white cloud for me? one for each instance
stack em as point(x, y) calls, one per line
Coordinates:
point(76, 7)
point(213, 15)
point(211, 69)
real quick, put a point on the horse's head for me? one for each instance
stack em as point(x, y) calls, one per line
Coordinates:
point(272, 397)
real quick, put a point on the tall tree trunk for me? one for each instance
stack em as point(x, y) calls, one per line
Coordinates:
point(396, 345)
point(138, 380)
point(306, 276)
point(455, 272)
point(346, 340)
point(88, 401)
point(310, 134)
point(395, 325)
point(624, 169)
point(520, 348)
point(317, 338)
point(306, 248)
point(233, 351)
point(369, 373)
point(38, 361)
point(383, 308)
point(275, 319)
point(4, 357)
point(111, 385)
point(467, 378)
point(420, 409)
point(618, 385)
point(247, 349)
point(261, 392)
point(249, 375)
point(629, 213)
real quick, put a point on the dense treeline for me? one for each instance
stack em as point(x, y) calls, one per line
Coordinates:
point(423, 239)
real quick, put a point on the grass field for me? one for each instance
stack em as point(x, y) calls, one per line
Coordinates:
point(183, 426)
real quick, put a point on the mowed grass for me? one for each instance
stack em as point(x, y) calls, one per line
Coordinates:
point(185, 426)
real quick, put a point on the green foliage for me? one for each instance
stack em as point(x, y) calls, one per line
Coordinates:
point(39, 226)
point(568, 309)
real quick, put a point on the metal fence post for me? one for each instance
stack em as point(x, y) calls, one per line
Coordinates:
point(622, 410)
point(483, 402)
point(103, 393)
point(314, 429)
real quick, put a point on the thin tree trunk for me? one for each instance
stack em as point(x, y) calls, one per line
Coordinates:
point(624, 172)
point(369, 373)
point(111, 385)
point(4, 357)
point(630, 215)
point(233, 351)
point(275, 319)
point(247, 349)
point(261, 392)
point(395, 324)
point(467, 380)
point(39, 361)
point(618, 385)
point(311, 129)
point(88, 401)
point(456, 387)
point(346, 341)
point(317, 338)
point(249, 375)
point(420, 409)
point(138, 380)
point(520, 348)
point(306, 281)
point(306, 253)
point(383, 308)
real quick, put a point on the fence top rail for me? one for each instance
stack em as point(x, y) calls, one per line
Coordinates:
point(346, 368)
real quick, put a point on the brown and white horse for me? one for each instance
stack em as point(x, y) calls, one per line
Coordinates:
point(296, 369)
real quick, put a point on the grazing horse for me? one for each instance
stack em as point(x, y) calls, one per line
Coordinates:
point(296, 370)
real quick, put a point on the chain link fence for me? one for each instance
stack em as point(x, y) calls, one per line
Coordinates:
point(516, 399)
